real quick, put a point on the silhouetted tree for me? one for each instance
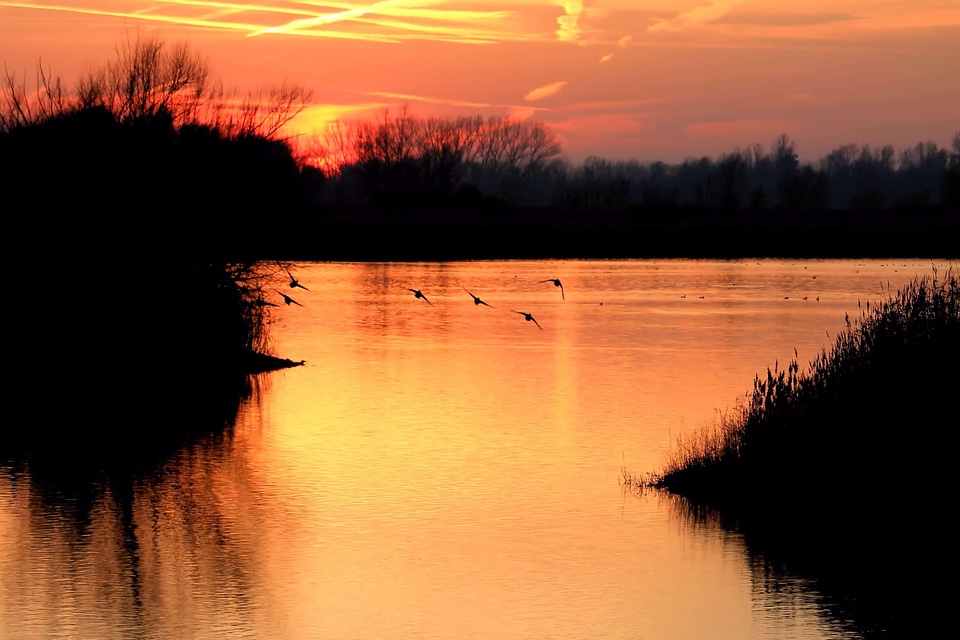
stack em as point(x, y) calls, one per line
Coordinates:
point(784, 155)
point(729, 184)
point(147, 77)
point(950, 189)
point(149, 80)
point(20, 106)
point(442, 146)
point(805, 191)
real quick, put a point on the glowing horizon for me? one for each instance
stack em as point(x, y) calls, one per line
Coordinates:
point(673, 79)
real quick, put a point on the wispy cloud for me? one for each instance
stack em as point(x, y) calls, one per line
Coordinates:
point(606, 58)
point(545, 91)
point(784, 19)
point(521, 113)
point(409, 97)
point(696, 16)
point(382, 21)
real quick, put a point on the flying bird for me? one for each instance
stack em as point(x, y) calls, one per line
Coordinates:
point(529, 318)
point(419, 294)
point(556, 283)
point(294, 283)
point(260, 302)
point(477, 300)
point(288, 299)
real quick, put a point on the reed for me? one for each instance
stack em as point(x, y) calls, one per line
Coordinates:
point(840, 470)
point(862, 416)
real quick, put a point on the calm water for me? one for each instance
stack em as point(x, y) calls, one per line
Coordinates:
point(448, 470)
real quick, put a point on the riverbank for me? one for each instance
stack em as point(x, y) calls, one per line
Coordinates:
point(490, 235)
point(255, 363)
point(830, 468)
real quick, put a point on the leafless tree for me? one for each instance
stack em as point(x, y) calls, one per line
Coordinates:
point(19, 108)
point(147, 77)
point(263, 113)
point(330, 149)
point(387, 141)
point(442, 146)
point(505, 145)
point(784, 154)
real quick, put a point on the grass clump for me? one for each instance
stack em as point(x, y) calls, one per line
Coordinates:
point(841, 468)
point(862, 416)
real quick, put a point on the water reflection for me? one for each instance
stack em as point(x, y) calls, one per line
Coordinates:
point(90, 522)
point(442, 470)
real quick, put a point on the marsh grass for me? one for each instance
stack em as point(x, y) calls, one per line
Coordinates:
point(840, 470)
point(861, 416)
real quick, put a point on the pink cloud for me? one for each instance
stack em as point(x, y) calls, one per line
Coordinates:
point(545, 91)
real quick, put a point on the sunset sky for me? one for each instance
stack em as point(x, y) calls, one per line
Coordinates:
point(644, 79)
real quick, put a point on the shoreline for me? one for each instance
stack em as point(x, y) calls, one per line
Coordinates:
point(256, 363)
point(444, 238)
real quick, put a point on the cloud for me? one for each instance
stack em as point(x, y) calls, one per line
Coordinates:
point(606, 58)
point(696, 16)
point(391, 21)
point(784, 19)
point(569, 22)
point(545, 91)
point(430, 99)
point(521, 113)
point(622, 42)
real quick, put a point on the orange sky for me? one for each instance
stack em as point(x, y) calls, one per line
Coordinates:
point(644, 79)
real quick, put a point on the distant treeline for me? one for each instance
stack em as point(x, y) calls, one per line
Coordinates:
point(400, 160)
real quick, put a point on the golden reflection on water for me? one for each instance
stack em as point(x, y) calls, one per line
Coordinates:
point(448, 470)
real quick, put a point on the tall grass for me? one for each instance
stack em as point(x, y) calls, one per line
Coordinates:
point(841, 470)
point(868, 413)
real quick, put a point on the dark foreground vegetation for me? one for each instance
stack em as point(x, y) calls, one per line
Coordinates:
point(133, 202)
point(841, 468)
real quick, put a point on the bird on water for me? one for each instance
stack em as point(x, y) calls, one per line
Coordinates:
point(556, 283)
point(529, 318)
point(419, 294)
point(288, 299)
point(477, 300)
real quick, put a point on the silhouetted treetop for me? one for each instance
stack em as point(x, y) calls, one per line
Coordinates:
point(149, 79)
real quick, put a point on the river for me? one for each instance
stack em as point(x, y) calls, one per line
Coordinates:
point(445, 469)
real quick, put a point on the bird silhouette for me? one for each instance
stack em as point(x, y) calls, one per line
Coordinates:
point(556, 283)
point(529, 318)
point(288, 299)
point(260, 302)
point(294, 283)
point(419, 294)
point(477, 300)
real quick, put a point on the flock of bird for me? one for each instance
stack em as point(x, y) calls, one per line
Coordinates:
point(417, 293)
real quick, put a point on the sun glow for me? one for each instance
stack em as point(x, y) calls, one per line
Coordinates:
point(831, 71)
